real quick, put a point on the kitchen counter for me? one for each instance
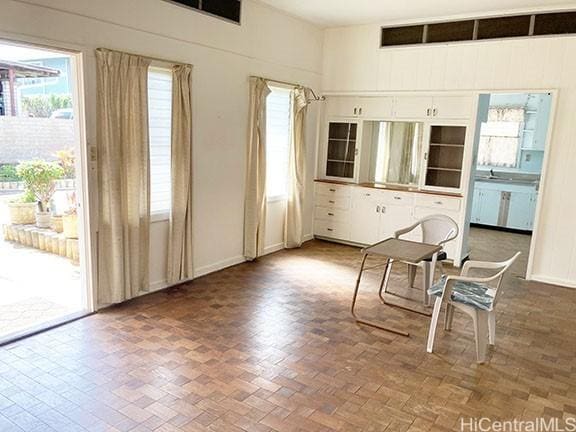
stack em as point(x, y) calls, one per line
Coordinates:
point(389, 187)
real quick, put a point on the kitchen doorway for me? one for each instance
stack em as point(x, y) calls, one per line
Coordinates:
point(509, 155)
point(44, 254)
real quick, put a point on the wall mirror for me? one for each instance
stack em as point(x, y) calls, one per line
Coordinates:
point(396, 150)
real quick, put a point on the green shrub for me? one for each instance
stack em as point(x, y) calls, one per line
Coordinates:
point(45, 105)
point(8, 173)
point(38, 177)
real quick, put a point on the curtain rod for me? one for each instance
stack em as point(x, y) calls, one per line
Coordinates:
point(158, 59)
point(314, 96)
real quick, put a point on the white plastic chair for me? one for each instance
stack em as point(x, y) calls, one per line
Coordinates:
point(473, 296)
point(437, 230)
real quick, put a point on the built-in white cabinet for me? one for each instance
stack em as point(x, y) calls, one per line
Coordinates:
point(359, 107)
point(438, 107)
point(444, 157)
point(366, 215)
point(413, 107)
point(401, 107)
point(341, 150)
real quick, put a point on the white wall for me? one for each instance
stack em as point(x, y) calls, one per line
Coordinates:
point(268, 44)
point(354, 62)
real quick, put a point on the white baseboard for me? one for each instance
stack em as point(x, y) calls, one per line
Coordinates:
point(554, 281)
point(221, 265)
point(158, 285)
point(211, 268)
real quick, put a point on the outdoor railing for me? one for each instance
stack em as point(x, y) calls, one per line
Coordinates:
point(12, 186)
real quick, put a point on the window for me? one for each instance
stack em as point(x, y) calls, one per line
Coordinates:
point(500, 138)
point(278, 125)
point(160, 130)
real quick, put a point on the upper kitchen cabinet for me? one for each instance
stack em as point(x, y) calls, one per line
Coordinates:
point(452, 107)
point(359, 107)
point(413, 107)
point(400, 107)
point(435, 107)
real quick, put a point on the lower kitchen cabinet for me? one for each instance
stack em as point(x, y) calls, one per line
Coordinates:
point(486, 206)
point(504, 205)
point(521, 209)
point(364, 215)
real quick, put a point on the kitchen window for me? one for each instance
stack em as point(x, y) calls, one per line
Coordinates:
point(278, 129)
point(160, 131)
point(500, 138)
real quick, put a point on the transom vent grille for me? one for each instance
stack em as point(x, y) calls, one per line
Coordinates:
point(514, 26)
point(227, 9)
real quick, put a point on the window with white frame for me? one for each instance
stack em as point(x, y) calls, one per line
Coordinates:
point(160, 131)
point(278, 129)
point(500, 138)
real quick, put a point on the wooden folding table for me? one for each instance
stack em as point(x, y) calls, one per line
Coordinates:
point(394, 249)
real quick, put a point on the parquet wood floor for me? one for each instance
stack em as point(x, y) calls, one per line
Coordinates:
point(270, 346)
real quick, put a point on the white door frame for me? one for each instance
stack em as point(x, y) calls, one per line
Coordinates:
point(82, 164)
point(545, 166)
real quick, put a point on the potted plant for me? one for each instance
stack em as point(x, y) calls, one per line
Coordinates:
point(39, 179)
point(70, 218)
point(22, 209)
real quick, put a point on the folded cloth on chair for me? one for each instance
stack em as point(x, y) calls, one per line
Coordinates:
point(470, 293)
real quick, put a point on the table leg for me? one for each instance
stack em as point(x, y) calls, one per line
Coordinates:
point(385, 278)
point(426, 283)
point(384, 286)
point(364, 322)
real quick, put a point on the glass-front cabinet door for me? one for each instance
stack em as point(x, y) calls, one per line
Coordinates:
point(341, 150)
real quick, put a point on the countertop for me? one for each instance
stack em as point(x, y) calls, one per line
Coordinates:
point(390, 187)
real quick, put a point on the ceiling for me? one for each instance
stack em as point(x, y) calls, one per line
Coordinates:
point(334, 13)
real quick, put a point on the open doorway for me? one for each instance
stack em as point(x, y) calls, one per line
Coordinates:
point(42, 259)
point(507, 172)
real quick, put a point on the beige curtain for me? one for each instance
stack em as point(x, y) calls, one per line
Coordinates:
point(255, 202)
point(180, 237)
point(293, 231)
point(124, 191)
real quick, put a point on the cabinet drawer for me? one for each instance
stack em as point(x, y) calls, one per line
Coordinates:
point(336, 215)
point(333, 202)
point(329, 189)
point(397, 198)
point(439, 202)
point(334, 230)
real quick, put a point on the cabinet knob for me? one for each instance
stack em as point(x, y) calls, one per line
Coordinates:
point(397, 198)
point(360, 111)
point(355, 111)
point(332, 190)
point(329, 229)
point(438, 202)
point(435, 112)
point(331, 202)
point(428, 112)
point(330, 214)
point(377, 209)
